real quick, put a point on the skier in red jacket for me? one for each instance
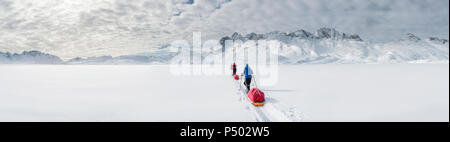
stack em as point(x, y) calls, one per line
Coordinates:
point(233, 67)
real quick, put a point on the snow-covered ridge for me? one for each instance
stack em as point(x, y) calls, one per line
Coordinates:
point(142, 58)
point(29, 57)
point(322, 33)
point(37, 57)
point(328, 45)
point(127, 59)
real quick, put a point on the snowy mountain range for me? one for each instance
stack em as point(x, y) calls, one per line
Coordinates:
point(142, 58)
point(37, 57)
point(326, 45)
point(29, 57)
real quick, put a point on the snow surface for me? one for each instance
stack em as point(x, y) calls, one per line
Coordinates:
point(324, 46)
point(113, 93)
point(365, 92)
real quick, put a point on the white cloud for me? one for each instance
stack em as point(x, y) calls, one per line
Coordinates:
point(70, 28)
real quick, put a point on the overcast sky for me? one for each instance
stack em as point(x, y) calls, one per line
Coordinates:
point(70, 28)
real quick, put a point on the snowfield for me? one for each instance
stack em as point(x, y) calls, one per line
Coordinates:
point(113, 93)
point(329, 92)
point(365, 92)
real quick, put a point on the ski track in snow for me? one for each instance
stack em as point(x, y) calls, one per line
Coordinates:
point(270, 112)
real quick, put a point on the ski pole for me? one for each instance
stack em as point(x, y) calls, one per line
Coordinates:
point(254, 80)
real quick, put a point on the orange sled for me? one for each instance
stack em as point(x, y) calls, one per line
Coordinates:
point(258, 104)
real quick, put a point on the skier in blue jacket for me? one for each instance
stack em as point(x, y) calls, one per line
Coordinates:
point(248, 76)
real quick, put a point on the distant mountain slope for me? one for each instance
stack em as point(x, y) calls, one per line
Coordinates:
point(327, 45)
point(143, 58)
point(36, 57)
point(29, 57)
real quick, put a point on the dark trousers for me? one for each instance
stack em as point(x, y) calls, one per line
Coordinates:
point(247, 83)
point(234, 71)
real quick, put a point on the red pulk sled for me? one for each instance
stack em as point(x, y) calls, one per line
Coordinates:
point(256, 96)
point(236, 77)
